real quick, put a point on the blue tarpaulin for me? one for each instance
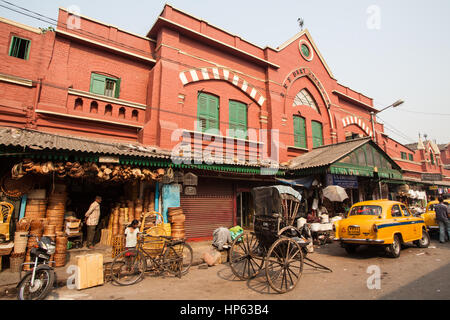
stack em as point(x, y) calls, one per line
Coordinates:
point(170, 198)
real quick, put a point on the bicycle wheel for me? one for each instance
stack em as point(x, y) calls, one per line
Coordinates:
point(128, 267)
point(187, 254)
point(43, 282)
point(172, 261)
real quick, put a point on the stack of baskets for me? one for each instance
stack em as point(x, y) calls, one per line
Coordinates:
point(56, 209)
point(36, 205)
point(137, 210)
point(61, 250)
point(36, 229)
point(177, 218)
point(115, 221)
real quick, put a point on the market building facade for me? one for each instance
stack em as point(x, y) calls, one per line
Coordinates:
point(191, 97)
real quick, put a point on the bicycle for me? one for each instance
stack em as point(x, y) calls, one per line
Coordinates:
point(165, 254)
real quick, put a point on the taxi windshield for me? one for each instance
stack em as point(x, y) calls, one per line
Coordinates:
point(366, 211)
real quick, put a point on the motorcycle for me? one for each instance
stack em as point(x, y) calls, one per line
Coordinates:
point(37, 283)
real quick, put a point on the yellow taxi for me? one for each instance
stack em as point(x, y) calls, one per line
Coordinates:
point(430, 215)
point(381, 223)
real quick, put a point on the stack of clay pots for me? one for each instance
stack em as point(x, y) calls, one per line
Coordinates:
point(56, 208)
point(61, 250)
point(177, 218)
point(122, 220)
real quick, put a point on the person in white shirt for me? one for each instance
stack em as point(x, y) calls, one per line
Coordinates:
point(131, 234)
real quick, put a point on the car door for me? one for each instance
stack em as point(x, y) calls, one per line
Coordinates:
point(398, 220)
point(410, 228)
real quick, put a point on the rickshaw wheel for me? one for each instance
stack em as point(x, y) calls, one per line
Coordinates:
point(245, 257)
point(284, 265)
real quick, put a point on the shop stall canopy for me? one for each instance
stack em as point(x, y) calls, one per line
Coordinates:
point(359, 157)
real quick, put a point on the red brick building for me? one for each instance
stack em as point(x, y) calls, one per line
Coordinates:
point(187, 78)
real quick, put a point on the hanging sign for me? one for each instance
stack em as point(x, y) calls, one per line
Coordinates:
point(347, 182)
point(107, 159)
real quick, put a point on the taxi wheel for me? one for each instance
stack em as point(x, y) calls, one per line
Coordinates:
point(394, 248)
point(425, 241)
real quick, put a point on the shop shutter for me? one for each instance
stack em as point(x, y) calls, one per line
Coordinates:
point(204, 214)
point(238, 119)
point(317, 134)
point(98, 84)
point(211, 208)
point(207, 112)
point(299, 132)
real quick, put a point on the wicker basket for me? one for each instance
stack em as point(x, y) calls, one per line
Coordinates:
point(16, 260)
point(60, 259)
point(20, 242)
point(5, 249)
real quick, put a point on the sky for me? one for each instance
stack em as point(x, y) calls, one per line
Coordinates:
point(387, 50)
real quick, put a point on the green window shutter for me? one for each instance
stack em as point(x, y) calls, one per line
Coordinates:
point(238, 119)
point(117, 93)
point(207, 112)
point(299, 132)
point(98, 84)
point(411, 157)
point(317, 134)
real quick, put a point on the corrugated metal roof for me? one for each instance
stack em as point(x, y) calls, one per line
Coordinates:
point(38, 140)
point(326, 155)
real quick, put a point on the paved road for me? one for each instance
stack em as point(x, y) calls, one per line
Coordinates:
point(417, 274)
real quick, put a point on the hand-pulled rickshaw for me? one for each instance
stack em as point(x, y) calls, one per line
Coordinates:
point(275, 242)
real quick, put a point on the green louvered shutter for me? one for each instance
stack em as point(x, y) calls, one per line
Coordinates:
point(98, 84)
point(299, 132)
point(207, 112)
point(238, 119)
point(317, 134)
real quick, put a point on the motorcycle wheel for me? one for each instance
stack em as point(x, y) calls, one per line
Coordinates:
point(43, 283)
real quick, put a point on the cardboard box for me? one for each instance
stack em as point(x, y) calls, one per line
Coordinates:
point(90, 271)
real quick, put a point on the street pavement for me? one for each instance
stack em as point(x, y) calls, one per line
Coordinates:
point(417, 274)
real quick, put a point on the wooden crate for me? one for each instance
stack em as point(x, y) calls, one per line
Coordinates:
point(90, 271)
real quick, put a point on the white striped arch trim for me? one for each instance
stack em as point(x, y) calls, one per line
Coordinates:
point(202, 74)
point(359, 122)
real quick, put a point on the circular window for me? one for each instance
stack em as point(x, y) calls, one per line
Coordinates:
point(305, 50)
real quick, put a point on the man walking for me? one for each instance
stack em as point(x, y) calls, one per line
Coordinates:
point(92, 218)
point(442, 219)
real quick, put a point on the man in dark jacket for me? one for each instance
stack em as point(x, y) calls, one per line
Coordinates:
point(442, 220)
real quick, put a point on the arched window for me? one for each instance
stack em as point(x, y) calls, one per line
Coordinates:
point(108, 110)
point(135, 115)
point(79, 104)
point(432, 158)
point(94, 107)
point(122, 113)
point(304, 98)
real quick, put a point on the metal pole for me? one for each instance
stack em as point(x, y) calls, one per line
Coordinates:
point(373, 126)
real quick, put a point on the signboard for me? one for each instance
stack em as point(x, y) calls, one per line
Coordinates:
point(433, 188)
point(347, 182)
point(431, 176)
point(108, 160)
